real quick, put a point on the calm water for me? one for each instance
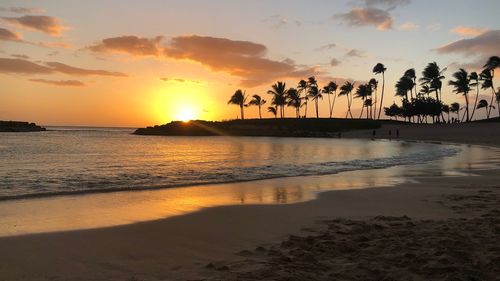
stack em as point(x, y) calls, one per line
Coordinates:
point(66, 160)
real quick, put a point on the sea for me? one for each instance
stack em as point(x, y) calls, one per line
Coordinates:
point(72, 160)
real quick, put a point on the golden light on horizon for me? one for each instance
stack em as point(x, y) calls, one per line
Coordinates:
point(186, 113)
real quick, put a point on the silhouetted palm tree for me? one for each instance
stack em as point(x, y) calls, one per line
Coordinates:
point(474, 82)
point(455, 107)
point(315, 94)
point(403, 86)
point(492, 63)
point(302, 88)
point(239, 98)
point(332, 86)
point(258, 101)
point(364, 91)
point(345, 90)
point(484, 104)
point(446, 109)
point(377, 69)
point(279, 92)
point(431, 77)
point(273, 111)
point(462, 86)
point(410, 73)
point(486, 77)
point(294, 100)
point(374, 85)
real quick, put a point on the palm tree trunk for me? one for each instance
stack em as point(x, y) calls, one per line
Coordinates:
point(260, 114)
point(329, 104)
point(242, 113)
point(467, 105)
point(381, 96)
point(333, 102)
point(475, 102)
point(362, 109)
point(492, 96)
point(316, 104)
point(305, 112)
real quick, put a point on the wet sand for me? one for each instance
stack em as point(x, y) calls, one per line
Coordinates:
point(438, 228)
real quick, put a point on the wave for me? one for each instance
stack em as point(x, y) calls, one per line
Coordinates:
point(147, 181)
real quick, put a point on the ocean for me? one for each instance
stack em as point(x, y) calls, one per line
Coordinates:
point(90, 160)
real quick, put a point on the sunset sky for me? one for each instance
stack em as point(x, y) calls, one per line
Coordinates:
point(137, 63)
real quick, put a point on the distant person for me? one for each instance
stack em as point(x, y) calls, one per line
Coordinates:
point(373, 134)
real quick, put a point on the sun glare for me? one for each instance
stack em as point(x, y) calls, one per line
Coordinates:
point(186, 114)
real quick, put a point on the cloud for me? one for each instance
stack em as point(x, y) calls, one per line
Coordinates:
point(278, 21)
point(334, 62)
point(368, 16)
point(408, 26)
point(327, 47)
point(73, 83)
point(487, 43)
point(238, 58)
point(71, 70)
point(20, 56)
point(45, 24)
point(22, 10)
point(131, 45)
point(21, 66)
point(468, 31)
point(433, 27)
point(388, 4)
point(355, 53)
point(7, 35)
point(243, 59)
point(179, 80)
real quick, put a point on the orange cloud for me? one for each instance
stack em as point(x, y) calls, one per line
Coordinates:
point(73, 83)
point(244, 59)
point(368, 16)
point(131, 45)
point(468, 31)
point(487, 43)
point(71, 70)
point(45, 24)
point(21, 66)
point(7, 35)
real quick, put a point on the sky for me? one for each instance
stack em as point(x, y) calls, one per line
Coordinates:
point(138, 63)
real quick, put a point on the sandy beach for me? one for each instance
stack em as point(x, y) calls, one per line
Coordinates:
point(429, 228)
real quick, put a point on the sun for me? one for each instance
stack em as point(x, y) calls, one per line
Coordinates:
point(186, 113)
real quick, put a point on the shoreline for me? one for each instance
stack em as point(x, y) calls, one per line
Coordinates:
point(209, 243)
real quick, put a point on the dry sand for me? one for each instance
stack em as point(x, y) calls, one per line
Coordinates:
point(440, 228)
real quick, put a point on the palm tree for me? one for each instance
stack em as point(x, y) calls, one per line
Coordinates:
point(294, 100)
point(258, 101)
point(446, 109)
point(492, 63)
point(239, 98)
point(403, 86)
point(455, 107)
point(363, 92)
point(474, 82)
point(273, 111)
point(279, 92)
point(332, 87)
point(374, 84)
point(497, 95)
point(486, 77)
point(377, 69)
point(345, 90)
point(315, 94)
point(302, 88)
point(484, 104)
point(410, 73)
point(462, 86)
point(431, 77)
